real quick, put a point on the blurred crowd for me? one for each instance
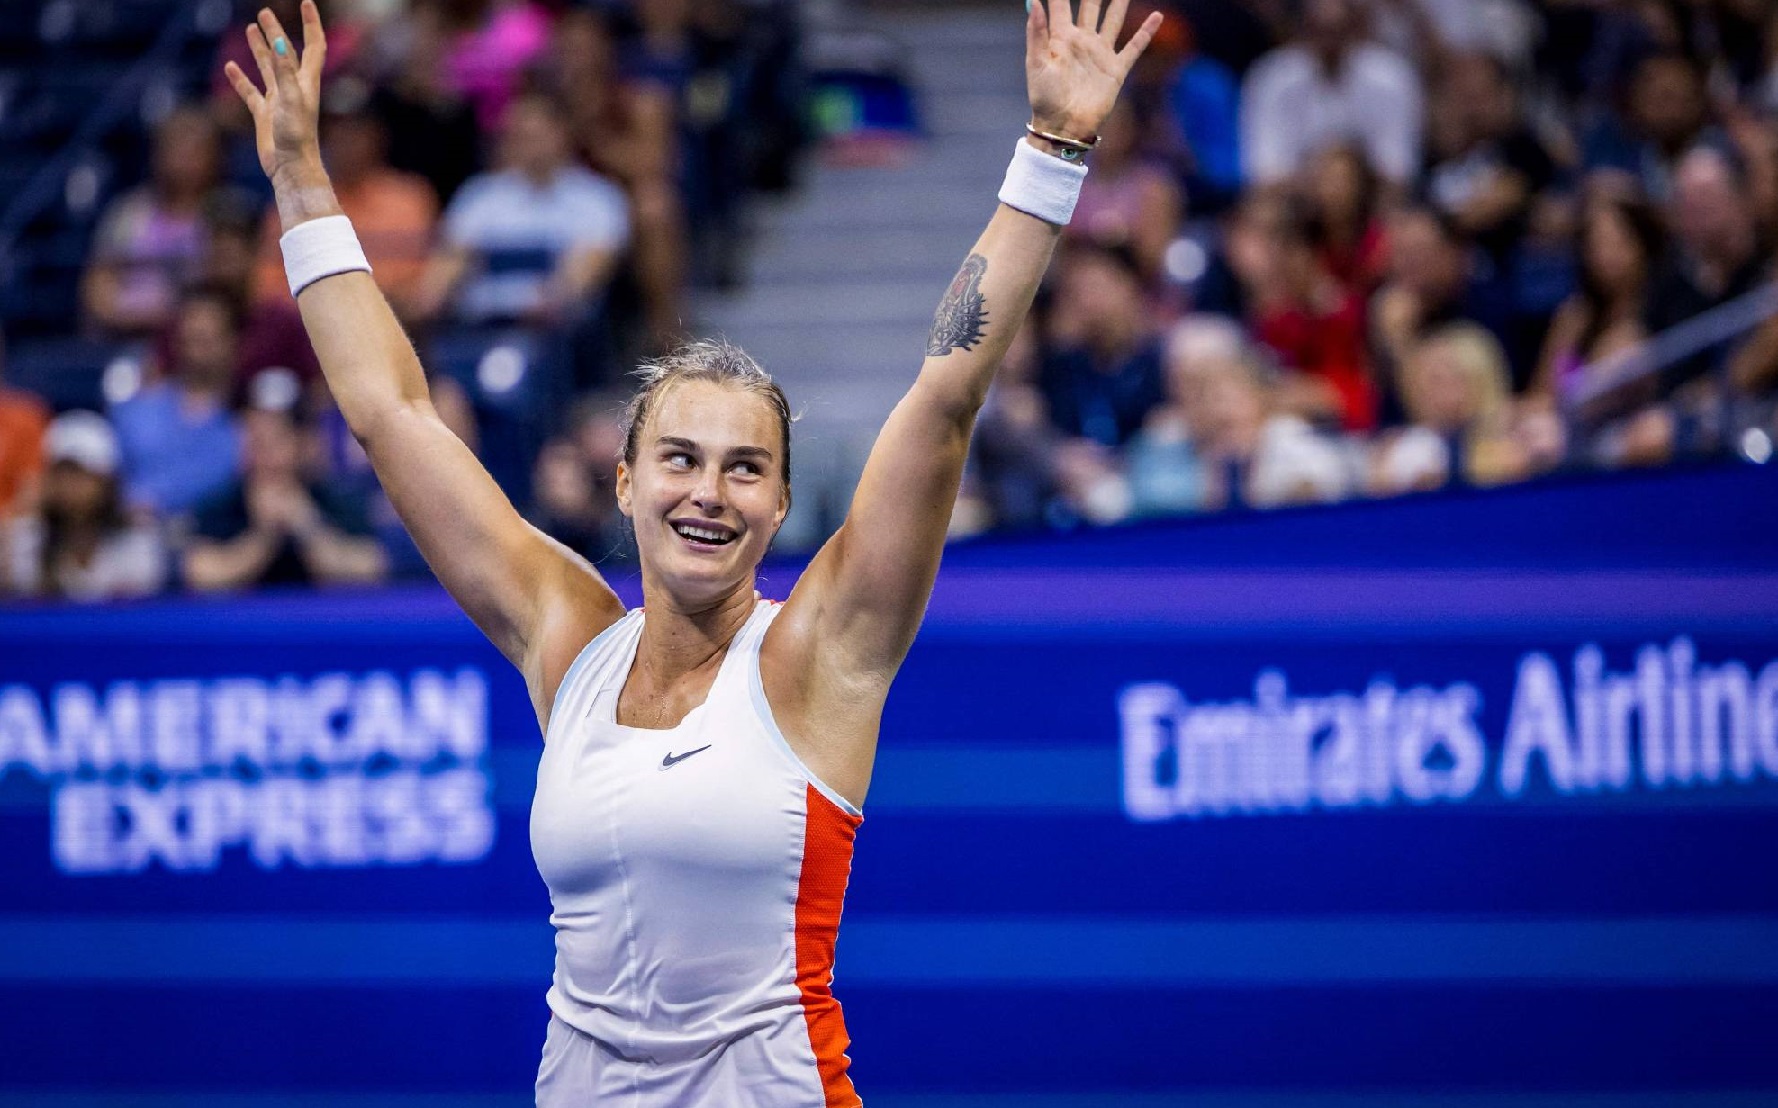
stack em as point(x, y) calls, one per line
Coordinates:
point(1328, 249)
point(1346, 248)
point(537, 185)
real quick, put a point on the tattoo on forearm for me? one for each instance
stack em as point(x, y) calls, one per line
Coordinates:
point(963, 313)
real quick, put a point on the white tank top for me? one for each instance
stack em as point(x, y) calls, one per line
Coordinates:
point(696, 876)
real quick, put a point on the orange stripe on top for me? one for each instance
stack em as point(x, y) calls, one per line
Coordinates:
point(827, 863)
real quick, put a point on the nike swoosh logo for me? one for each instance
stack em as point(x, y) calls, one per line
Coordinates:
point(674, 759)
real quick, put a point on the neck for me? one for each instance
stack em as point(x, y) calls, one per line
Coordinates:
point(678, 639)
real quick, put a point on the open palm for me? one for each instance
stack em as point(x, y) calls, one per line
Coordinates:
point(286, 115)
point(1073, 68)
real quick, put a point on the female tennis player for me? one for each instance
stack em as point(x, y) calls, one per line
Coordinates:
point(705, 756)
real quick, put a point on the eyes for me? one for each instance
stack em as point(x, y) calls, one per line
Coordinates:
point(681, 461)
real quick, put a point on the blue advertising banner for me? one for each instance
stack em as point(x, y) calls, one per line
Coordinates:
point(1142, 830)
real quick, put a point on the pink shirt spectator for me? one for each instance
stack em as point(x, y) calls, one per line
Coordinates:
point(484, 65)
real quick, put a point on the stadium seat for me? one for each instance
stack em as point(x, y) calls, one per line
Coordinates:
point(67, 372)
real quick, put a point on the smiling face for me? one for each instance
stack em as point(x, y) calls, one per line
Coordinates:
point(706, 491)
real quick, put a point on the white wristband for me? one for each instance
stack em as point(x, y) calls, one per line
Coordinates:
point(1042, 185)
point(320, 248)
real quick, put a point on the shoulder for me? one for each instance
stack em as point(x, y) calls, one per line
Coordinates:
point(407, 189)
point(146, 404)
point(583, 616)
point(479, 190)
point(24, 413)
point(580, 183)
point(1381, 65)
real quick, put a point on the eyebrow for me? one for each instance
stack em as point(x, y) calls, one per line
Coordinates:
point(734, 452)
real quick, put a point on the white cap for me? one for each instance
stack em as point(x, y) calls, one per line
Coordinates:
point(84, 438)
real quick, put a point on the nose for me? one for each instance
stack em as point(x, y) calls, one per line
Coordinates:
point(707, 494)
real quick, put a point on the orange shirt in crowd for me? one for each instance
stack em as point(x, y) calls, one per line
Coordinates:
point(393, 213)
point(23, 419)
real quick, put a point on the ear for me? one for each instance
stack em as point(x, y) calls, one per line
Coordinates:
point(623, 490)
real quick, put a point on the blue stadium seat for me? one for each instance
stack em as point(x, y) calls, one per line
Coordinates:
point(514, 378)
point(67, 372)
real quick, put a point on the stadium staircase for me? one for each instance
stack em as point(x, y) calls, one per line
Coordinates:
point(845, 273)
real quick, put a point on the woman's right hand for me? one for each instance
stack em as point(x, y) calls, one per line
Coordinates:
point(286, 115)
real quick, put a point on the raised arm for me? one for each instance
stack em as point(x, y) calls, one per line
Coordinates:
point(535, 600)
point(863, 597)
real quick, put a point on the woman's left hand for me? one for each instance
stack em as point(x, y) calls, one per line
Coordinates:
point(1073, 68)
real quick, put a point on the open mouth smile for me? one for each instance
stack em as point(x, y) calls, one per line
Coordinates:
point(703, 534)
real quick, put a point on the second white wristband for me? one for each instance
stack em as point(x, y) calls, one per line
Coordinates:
point(1042, 185)
point(321, 248)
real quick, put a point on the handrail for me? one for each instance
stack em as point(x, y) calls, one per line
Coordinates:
point(1714, 327)
point(40, 191)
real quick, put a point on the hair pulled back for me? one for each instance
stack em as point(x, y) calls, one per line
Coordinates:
point(717, 361)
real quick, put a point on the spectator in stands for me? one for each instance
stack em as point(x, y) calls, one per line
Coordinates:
point(151, 239)
point(573, 495)
point(179, 440)
point(79, 543)
point(276, 524)
point(535, 241)
point(1432, 282)
point(23, 419)
point(1102, 374)
point(1430, 30)
point(392, 212)
point(1311, 323)
point(1495, 165)
point(492, 41)
point(1128, 200)
point(1458, 395)
point(1342, 193)
point(1717, 252)
point(1620, 249)
point(627, 129)
point(1204, 99)
point(1666, 112)
point(1222, 411)
point(432, 129)
point(272, 335)
point(1328, 86)
point(1166, 475)
point(1027, 472)
point(1014, 445)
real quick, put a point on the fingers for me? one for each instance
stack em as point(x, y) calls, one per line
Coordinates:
point(1089, 16)
point(1061, 13)
point(262, 57)
point(1139, 41)
point(282, 50)
point(244, 87)
point(314, 46)
point(1114, 21)
point(1037, 29)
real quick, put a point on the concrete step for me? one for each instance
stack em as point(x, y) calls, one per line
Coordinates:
point(976, 114)
point(842, 255)
point(859, 351)
point(893, 205)
point(825, 304)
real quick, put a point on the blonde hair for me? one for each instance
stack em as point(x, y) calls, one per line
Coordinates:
point(1479, 355)
point(717, 361)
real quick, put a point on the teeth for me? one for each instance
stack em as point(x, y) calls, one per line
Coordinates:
point(701, 533)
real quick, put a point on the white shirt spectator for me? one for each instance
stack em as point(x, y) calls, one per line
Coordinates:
point(503, 216)
point(1291, 109)
point(1505, 29)
point(128, 563)
point(1294, 465)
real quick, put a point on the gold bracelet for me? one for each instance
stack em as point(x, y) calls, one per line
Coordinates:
point(1071, 144)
